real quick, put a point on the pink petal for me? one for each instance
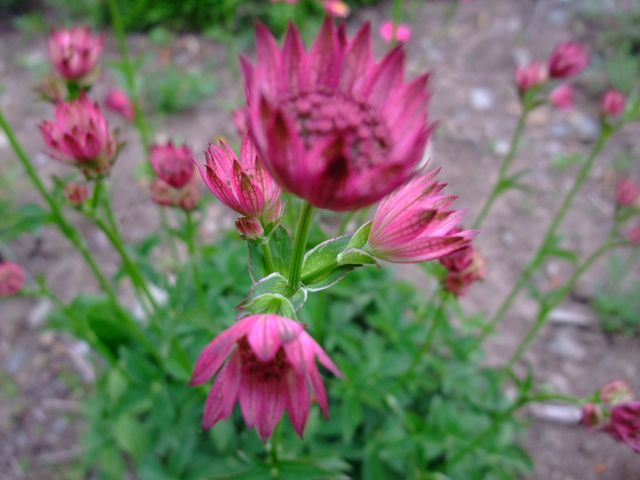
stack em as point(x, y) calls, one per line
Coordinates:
point(223, 394)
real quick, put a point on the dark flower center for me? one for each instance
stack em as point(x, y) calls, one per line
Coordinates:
point(273, 369)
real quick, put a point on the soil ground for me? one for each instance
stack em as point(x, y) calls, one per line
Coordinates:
point(43, 376)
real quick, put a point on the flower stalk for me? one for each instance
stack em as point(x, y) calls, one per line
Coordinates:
point(193, 256)
point(299, 246)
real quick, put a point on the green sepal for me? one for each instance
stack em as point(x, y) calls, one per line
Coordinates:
point(360, 238)
point(355, 256)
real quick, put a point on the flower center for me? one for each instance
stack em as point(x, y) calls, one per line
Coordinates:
point(273, 369)
point(327, 113)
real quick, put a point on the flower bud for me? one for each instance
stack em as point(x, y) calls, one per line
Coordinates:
point(562, 97)
point(173, 164)
point(337, 8)
point(627, 193)
point(76, 193)
point(530, 76)
point(616, 392)
point(592, 415)
point(185, 198)
point(613, 103)
point(567, 59)
point(465, 267)
point(117, 101)
point(12, 278)
point(75, 52)
point(401, 34)
point(249, 227)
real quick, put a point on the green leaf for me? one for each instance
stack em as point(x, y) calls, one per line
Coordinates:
point(360, 238)
point(321, 260)
point(130, 435)
point(22, 219)
point(270, 288)
point(280, 244)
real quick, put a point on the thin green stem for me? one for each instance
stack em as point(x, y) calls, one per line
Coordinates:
point(547, 307)
point(397, 19)
point(193, 257)
point(540, 253)
point(164, 221)
point(129, 74)
point(299, 246)
point(97, 193)
point(268, 257)
point(505, 166)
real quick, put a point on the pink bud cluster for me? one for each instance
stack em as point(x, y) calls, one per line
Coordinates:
point(12, 278)
point(176, 184)
point(616, 413)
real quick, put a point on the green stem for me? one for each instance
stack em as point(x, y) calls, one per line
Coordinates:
point(164, 221)
point(397, 19)
point(268, 257)
point(547, 307)
point(540, 253)
point(129, 74)
point(505, 166)
point(299, 246)
point(97, 193)
point(193, 257)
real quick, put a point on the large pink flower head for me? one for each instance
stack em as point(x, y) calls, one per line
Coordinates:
point(624, 424)
point(268, 364)
point(332, 125)
point(567, 59)
point(242, 183)
point(12, 278)
point(75, 52)
point(413, 224)
point(80, 135)
point(173, 164)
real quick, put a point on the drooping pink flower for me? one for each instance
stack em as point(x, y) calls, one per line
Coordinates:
point(268, 364)
point(624, 424)
point(119, 102)
point(413, 224)
point(173, 164)
point(567, 59)
point(464, 267)
point(333, 126)
point(615, 392)
point(402, 32)
point(76, 193)
point(531, 75)
point(242, 184)
point(592, 415)
point(337, 8)
point(80, 135)
point(562, 97)
point(185, 198)
point(627, 193)
point(12, 278)
point(613, 103)
point(75, 52)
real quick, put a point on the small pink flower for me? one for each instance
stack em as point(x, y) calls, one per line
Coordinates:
point(616, 392)
point(627, 193)
point(117, 101)
point(592, 415)
point(332, 125)
point(464, 267)
point(402, 32)
point(633, 235)
point(413, 224)
point(337, 8)
point(249, 227)
point(613, 103)
point(185, 198)
point(80, 135)
point(624, 425)
point(567, 59)
point(267, 363)
point(241, 184)
point(76, 193)
point(531, 75)
point(173, 164)
point(562, 97)
point(12, 278)
point(75, 52)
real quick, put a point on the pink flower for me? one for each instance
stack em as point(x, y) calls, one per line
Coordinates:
point(627, 193)
point(75, 193)
point(185, 198)
point(465, 267)
point(531, 75)
point(241, 184)
point(80, 135)
point(562, 97)
point(337, 8)
point(12, 278)
point(613, 103)
point(333, 126)
point(616, 392)
point(413, 224)
point(633, 235)
point(75, 52)
point(271, 367)
point(567, 59)
point(173, 164)
point(117, 101)
point(592, 415)
point(624, 425)
point(402, 32)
